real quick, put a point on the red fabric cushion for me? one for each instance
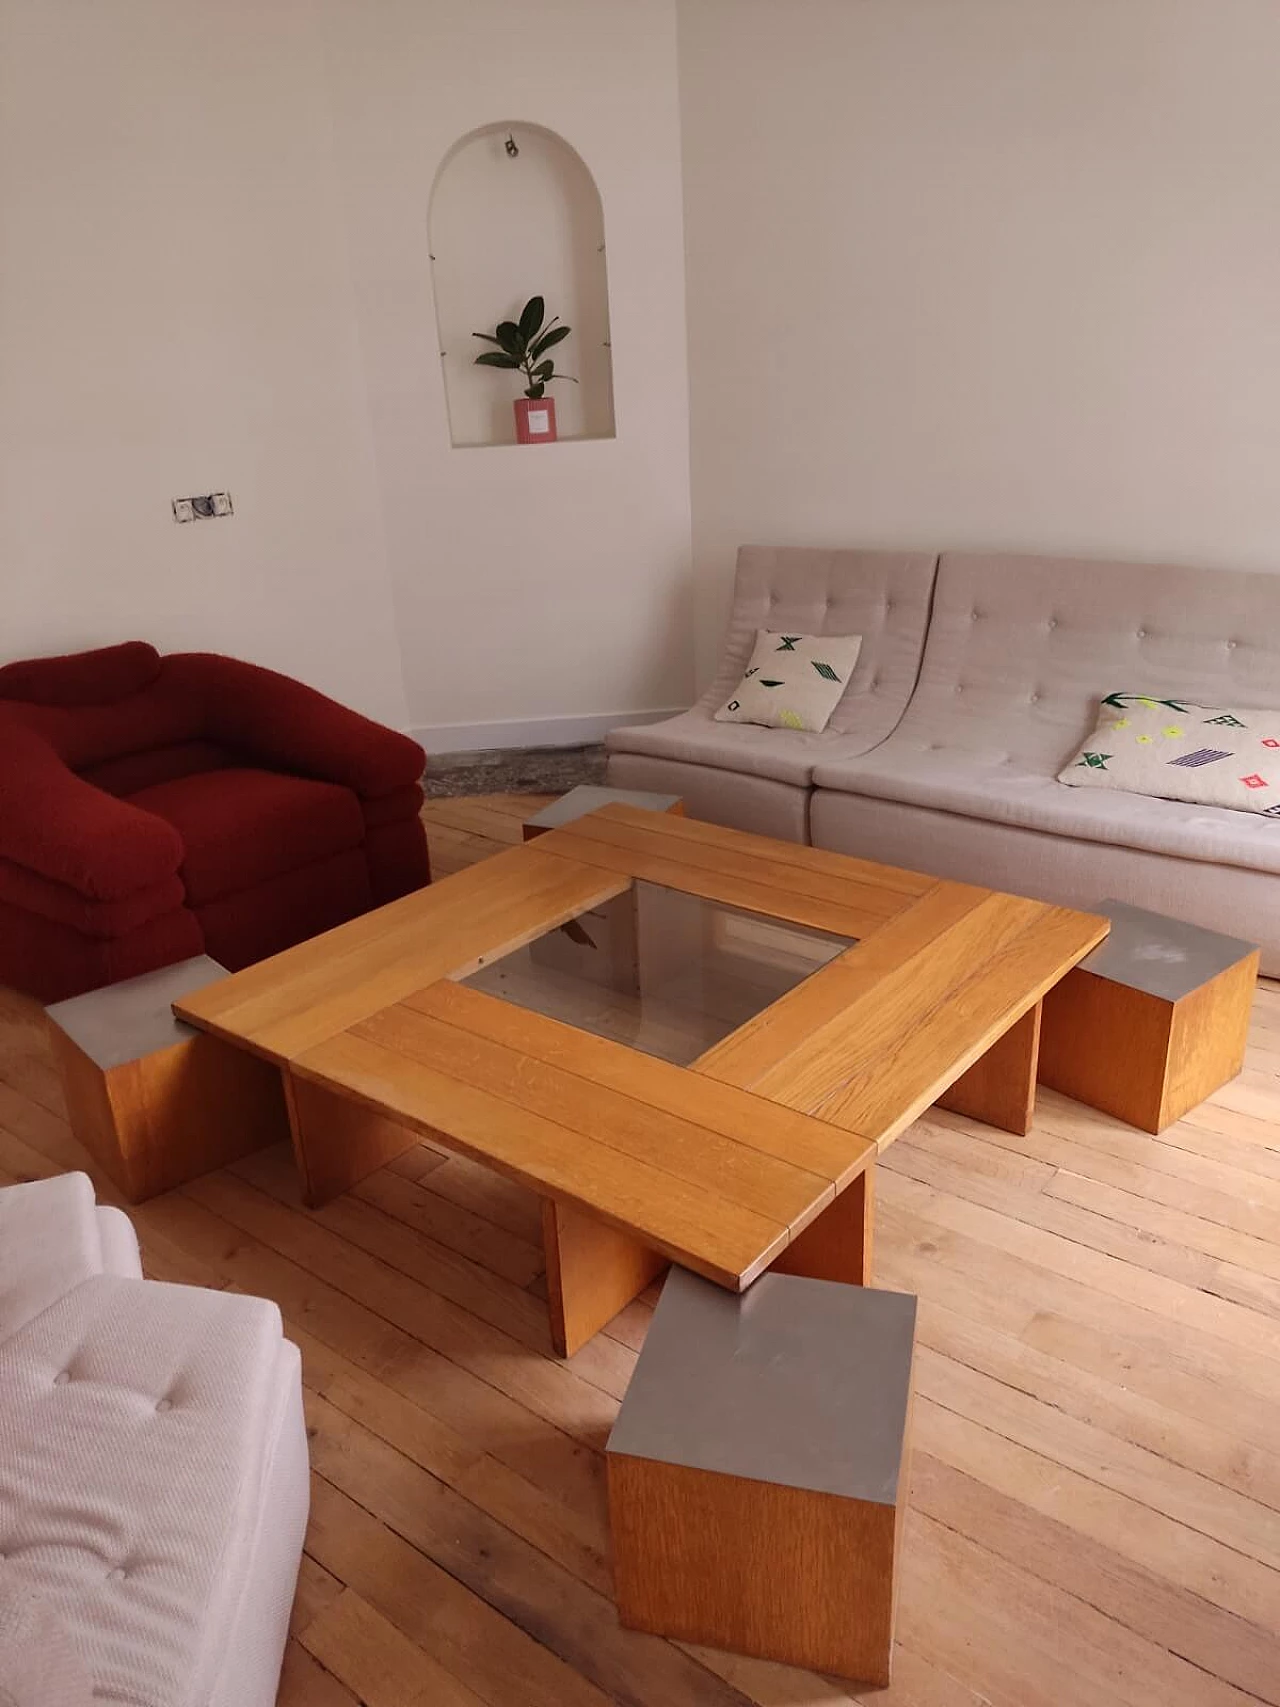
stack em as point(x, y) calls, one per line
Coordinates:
point(134, 771)
point(83, 736)
point(395, 807)
point(82, 678)
point(285, 725)
point(27, 889)
point(240, 827)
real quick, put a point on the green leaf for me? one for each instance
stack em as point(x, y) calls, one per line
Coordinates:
point(487, 336)
point(496, 358)
point(509, 337)
point(536, 391)
point(548, 341)
point(531, 317)
point(544, 370)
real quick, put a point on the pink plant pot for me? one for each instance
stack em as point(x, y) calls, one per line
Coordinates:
point(535, 420)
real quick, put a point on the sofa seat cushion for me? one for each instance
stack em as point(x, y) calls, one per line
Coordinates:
point(1005, 789)
point(50, 1240)
point(240, 826)
point(139, 1419)
point(696, 738)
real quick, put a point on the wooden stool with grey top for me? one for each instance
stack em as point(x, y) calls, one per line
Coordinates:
point(154, 1101)
point(758, 1471)
point(1153, 1021)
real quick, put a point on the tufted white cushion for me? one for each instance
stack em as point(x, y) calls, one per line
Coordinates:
point(133, 1452)
point(39, 1666)
point(881, 595)
point(50, 1240)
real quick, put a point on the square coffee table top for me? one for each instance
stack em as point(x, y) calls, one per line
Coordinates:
point(718, 1164)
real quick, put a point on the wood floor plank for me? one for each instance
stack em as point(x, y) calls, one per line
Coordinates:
point(365, 1651)
point(305, 1683)
point(501, 1661)
point(1222, 1645)
point(572, 1620)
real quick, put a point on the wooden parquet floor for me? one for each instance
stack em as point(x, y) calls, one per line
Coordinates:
point(1095, 1498)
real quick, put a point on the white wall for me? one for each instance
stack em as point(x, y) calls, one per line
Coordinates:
point(214, 273)
point(538, 588)
point(176, 317)
point(996, 273)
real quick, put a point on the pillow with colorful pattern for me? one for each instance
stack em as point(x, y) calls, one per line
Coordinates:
point(792, 681)
point(1207, 755)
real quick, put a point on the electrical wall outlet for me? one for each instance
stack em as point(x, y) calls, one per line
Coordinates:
point(202, 508)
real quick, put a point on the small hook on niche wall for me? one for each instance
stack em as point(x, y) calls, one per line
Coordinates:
point(511, 146)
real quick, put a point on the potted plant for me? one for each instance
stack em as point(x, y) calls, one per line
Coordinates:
point(523, 345)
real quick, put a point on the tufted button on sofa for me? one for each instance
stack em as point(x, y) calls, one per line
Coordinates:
point(153, 1463)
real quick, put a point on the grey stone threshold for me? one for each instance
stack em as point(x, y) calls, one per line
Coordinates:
point(514, 770)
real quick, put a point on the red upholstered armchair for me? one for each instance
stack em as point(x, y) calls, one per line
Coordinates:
point(154, 808)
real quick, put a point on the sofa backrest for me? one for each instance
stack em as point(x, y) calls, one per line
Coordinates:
point(1021, 649)
point(882, 595)
point(120, 716)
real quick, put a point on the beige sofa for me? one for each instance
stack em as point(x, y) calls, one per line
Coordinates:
point(1015, 653)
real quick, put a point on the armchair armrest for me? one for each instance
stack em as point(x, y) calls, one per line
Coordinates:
point(291, 726)
point(63, 828)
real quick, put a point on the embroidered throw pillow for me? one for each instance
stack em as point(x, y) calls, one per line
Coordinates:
point(1204, 754)
point(792, 681)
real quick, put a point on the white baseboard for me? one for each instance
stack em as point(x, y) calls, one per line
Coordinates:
point(535, 732)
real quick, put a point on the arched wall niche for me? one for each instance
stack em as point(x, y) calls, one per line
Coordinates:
point(503, 228)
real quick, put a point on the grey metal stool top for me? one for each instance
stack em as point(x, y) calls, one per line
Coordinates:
point(802, 1383)
point(590, 797)
point(123, 1021)
point(1161, 956)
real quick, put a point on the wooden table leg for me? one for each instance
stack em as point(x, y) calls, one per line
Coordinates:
point(336, 1141)
point(836, 1245)
point(593, 1271)
point(1000, 1087)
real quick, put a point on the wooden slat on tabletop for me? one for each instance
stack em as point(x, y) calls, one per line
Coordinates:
point(682, 831)
point(852, 919)
point(911, 1021)
point(910, 1070)
point(286, 1004)
point(725, 1241)
point(770, 1039)
point(766, 1126)
point(719, 1165)
point(877, 890)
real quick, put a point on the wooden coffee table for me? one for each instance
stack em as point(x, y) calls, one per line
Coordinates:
point(702, 1068)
